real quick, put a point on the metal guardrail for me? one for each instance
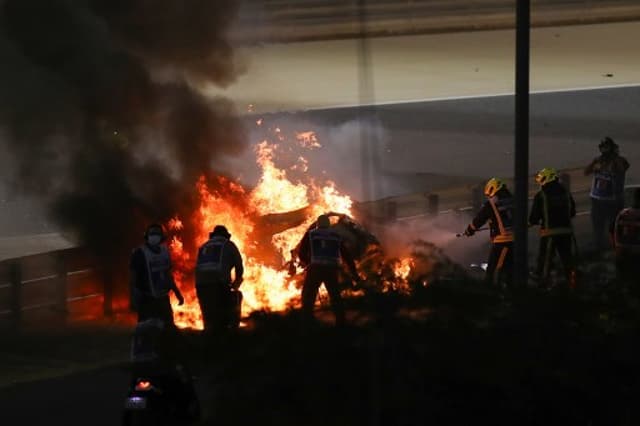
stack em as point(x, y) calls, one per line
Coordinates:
point(53, 282)
point(467, 200)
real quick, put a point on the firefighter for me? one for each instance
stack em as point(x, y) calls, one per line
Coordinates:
point(218, 294)
point(151, 278)
point(626, 237)
point(553, 208)
point(320, 251)
point(498, 211)
point(607, 189)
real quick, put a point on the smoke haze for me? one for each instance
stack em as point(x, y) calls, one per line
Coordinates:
point(100, 114)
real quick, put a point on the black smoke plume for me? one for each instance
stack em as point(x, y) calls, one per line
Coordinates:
point(98, 106)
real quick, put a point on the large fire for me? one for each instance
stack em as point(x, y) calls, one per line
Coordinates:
point(266, 286)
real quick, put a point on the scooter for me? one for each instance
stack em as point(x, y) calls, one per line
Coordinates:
point(161, 400)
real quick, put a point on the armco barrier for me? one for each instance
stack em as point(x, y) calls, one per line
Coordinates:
point(60, 284)
point(464, 199)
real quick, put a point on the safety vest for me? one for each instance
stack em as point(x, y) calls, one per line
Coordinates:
point(145, 340)
point(605, 186)
point(503, 215)
point(627, 230)
point(545, 230)
point(209, 263)
point(325, 247)
point(158, 268)
point(210, 254)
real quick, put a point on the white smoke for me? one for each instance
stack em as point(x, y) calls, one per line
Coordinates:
point(398, 237)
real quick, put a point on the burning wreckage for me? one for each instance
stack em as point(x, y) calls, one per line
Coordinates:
point(268, 222)
point(382, 273)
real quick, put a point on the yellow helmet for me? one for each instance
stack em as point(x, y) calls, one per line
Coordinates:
point(546, 175)
point(493, 185)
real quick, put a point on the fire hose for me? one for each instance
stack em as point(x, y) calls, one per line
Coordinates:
point(486, 228)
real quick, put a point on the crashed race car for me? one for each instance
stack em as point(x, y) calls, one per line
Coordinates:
point(424, 263)
point(380, 271)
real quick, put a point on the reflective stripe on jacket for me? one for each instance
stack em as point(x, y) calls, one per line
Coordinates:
point(210, 255)
point(503, 215)
point(216, 259)
point(603, 186)
point(325, 247)
point(498, 212)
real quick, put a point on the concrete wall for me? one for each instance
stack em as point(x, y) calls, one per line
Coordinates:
point(295, 20)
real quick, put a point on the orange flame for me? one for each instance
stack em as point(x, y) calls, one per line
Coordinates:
point(308, 140)
point(401, 270)
point(265, 287)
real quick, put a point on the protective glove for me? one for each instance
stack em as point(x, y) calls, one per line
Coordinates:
point(469, 231)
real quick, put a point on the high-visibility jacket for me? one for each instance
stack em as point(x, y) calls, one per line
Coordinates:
point(158, 270)
point(627, 230)
point(603, 186)
point(498, 211)
point(552, 209)
point(324, 247)
point(608, 181)
point(216, 258)
point(210, 254)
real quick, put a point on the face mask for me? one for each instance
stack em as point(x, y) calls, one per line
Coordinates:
point(154, 240)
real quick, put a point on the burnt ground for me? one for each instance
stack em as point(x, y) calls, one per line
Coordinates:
point(471, 357)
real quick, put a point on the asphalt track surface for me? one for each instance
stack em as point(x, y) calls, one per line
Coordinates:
point(91, 398)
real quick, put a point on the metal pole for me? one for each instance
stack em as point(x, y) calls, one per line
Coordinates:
point(521, 175)
point(366, 98)
point(367, 142)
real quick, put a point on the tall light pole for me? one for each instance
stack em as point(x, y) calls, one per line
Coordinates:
point(521, 173)
point(365, 97)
